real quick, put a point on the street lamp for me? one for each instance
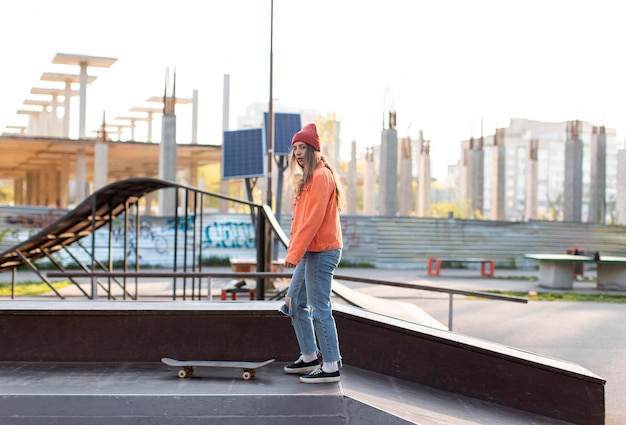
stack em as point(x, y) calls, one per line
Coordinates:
point(270, 114)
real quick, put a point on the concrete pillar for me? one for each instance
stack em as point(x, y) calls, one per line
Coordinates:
point(149, 197)
point(133, 125)
point(53, 188)
point(32, 187)
point(83, 100)
point(224, 185)
point(194, 117)
point(498, 176)
point(52, 191)
point(150, 123)
point(530, 211)
point(620, 201)
point(224, 189)
point(465, 189)
point(369, 184)
point(406, 178)
point(336, 143)
point(423, 185)
point(81, 176)
point(573, 184)
point(597, 183)
point(193, 182)
point(477, 177)
point(100, 164)
point(64, 187)
point(56, 125)
point(66, 108)
point(33, 123)
point(226, 103)
point(43, 178)
point(352, 181)
point(167, 164)
point(18, 191)
point(388, 177)
point(287, 206)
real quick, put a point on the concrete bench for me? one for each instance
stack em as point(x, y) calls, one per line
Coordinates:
point(555, 270)
point(434, 265)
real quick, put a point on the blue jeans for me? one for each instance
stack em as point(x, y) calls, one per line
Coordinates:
point(311, 310)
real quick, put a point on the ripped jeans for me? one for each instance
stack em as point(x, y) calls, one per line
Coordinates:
point(310, 309)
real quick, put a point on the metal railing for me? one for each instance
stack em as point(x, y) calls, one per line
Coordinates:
point(196, 289)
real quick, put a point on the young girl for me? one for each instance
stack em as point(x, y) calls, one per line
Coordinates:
point(314, 250)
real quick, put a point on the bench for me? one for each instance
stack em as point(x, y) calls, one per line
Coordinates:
point(555, 270)
point(248, 265)
point(434, 265)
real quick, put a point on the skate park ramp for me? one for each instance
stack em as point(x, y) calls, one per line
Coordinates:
point(84, 361)
point(93, 213)
point(398, 309)
point(94, 358)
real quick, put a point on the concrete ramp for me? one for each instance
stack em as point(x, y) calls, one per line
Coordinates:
point(396, 309)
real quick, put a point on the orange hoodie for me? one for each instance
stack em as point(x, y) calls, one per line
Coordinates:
point(315, 224)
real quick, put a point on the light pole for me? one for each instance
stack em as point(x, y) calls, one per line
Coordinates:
point(270, 113)
point(264, 252)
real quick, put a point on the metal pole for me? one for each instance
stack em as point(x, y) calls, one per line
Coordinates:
point(261, 253)
point(270, 115)
point(94, 284)
point(450, 313)
point(266, 265)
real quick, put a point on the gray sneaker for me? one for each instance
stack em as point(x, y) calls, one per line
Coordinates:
point(318, 376)
point(302, 367)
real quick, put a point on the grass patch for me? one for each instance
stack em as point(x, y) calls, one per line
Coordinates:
point(31, 288)
point(536, 278)
point(355, 264)
point(565, 296)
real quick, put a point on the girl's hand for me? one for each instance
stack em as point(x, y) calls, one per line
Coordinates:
point(289, 265)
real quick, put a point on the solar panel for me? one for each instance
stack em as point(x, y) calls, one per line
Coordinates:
point(243, 153)
point(285, 126)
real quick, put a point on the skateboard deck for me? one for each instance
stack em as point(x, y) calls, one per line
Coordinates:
point(187, 367)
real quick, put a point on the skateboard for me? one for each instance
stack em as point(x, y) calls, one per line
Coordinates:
point(187, 366)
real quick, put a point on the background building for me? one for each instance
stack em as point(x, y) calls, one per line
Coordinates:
point(550, 138)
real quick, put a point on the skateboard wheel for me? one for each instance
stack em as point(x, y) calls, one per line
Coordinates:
point(185, 372)
point(247, 375)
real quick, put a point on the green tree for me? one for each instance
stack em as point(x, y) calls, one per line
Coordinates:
point(7, 196)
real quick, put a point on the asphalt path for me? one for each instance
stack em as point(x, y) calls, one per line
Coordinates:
point(590, 334)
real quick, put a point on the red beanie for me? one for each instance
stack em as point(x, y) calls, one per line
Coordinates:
point(308, 135)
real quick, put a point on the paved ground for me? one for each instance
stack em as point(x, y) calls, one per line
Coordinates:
point(590, 334)
point(151, 393)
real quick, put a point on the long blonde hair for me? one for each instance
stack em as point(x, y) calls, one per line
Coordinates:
point(311, 159)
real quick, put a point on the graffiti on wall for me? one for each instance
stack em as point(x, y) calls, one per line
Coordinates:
point(153, 240)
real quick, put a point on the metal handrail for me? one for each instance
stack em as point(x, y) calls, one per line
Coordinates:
point(451, 292)
point(273, 275)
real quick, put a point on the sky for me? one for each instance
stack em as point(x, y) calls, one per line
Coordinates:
point(443, 66)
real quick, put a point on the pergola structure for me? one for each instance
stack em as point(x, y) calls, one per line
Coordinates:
point(43, 166)
point(42, 160)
